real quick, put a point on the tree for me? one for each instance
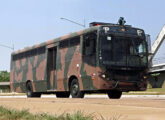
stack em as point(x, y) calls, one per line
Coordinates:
point(4, 76)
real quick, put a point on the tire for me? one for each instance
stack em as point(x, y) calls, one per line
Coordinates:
point(75, 89)
point(114, 94)
point(62, 94)
point(29, 91)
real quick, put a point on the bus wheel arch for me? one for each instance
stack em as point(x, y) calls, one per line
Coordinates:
point(70, 80)
point(28, 81)
point(74, 88)
point(29, 90)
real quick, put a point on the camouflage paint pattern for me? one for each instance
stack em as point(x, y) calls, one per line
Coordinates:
point(69, 65)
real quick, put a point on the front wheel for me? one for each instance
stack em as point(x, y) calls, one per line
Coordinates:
point(114, 94)
point(75, 89)
point(29, 91)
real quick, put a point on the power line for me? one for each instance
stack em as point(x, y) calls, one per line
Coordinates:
point(82, 25)
point(8, 46)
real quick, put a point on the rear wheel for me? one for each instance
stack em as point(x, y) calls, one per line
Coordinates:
point(75, 89)
point(29, 91)
point(62, 95)
point(114, 94)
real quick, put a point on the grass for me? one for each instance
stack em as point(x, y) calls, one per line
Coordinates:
point(10, 114)
point(4, 89)
point(12, 94)
point(153, 91)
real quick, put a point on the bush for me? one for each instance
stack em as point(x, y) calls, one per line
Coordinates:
point(4, 76)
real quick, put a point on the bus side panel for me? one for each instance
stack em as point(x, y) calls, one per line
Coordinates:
point(70, 63)
point(85, 72)
point(16, 76)
point(88, 76)
point(61, 68)
point(32, 69)
point(40, 73)
point(74, 64)
point(88, 60)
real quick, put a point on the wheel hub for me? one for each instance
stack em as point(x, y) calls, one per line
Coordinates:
point(75, 89)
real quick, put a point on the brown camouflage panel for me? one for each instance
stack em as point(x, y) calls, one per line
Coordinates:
point(69, 65)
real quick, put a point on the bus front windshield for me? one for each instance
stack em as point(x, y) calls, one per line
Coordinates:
point(123, 51)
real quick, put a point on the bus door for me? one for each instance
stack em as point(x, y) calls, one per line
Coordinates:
point(89, 58)
point(51, 68)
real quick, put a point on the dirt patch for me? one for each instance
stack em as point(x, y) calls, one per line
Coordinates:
point(125, 108)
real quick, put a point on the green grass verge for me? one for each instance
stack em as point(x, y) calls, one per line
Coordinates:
point(12, 94)
point(153, 91)
point(4, 89)
point(10, 114)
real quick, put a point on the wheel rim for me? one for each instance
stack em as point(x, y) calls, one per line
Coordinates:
point(28, 90)
point(75, 89)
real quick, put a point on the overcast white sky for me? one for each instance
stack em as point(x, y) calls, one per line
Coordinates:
point(27, 22)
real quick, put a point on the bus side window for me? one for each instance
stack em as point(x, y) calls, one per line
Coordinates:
point(89, 44)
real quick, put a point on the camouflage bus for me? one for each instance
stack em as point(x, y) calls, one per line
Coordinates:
point(104, 58)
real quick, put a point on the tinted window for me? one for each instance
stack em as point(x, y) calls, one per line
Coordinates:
point(70, 42)
point(29, 53)
point(89, 44)
point(74, 41)
point(64, 44)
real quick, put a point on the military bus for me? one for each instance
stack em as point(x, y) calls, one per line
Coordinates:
point(104, 58)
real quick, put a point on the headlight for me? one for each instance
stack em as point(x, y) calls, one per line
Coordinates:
point(103, 75)
point(144, 77)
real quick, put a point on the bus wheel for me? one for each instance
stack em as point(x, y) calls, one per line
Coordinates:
point(114, 94)
point(29, 91)
point(62, 94)
point(75, 89)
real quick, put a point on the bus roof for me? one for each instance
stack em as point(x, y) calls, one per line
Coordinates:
point(92, 28)
point(56, 39)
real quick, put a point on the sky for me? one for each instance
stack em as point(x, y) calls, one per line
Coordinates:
point(28, 22)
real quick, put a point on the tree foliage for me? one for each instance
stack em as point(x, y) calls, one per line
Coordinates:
point(4, 76)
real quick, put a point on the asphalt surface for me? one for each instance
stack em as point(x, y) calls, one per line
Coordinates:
point(89, 96)
point(129, 107)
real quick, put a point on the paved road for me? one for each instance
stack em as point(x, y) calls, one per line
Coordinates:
point(126, 108)
point(90, 96)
